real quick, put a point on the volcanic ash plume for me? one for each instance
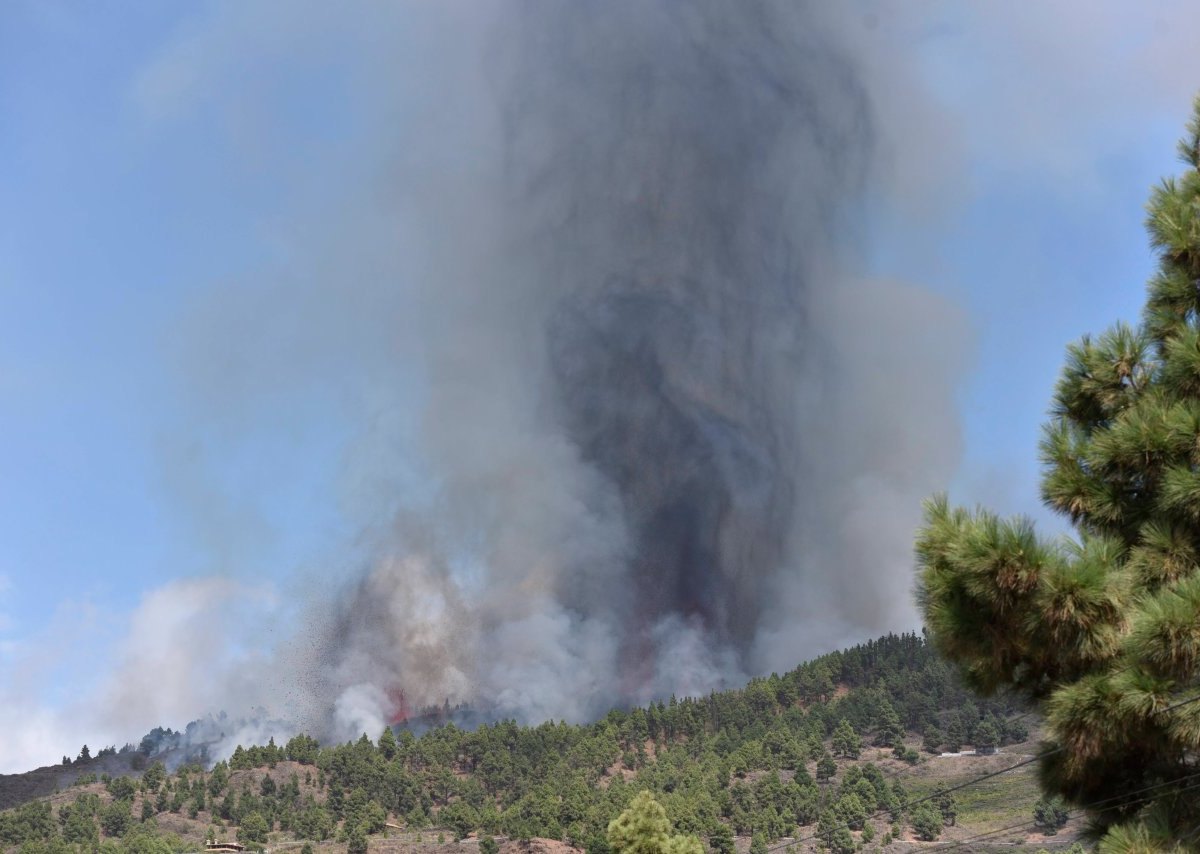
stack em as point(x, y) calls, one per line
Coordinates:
point(637, 419)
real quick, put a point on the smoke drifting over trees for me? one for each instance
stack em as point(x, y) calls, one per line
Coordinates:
point(671, 442)
point(571, 297)
point(521, 353)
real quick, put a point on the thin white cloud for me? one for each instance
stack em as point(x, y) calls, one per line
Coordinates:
point(36, 713)
point(189, 647)
point(1057, 89)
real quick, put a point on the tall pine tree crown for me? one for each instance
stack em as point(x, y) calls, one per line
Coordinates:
point(1102, 634)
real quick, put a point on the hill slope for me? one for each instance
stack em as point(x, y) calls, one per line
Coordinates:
point(833, 750)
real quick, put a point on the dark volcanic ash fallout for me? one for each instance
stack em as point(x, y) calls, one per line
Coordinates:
point(672, 444)
point(620, 416)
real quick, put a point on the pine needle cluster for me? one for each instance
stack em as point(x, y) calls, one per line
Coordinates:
point(1102, 633)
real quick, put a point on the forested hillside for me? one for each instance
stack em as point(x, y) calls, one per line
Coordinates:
point(830, 753)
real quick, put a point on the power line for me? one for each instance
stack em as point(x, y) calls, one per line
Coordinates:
point(997, 831)
point(950, 845)
point(1172, 708)
point(976, 781)
point(908, 804)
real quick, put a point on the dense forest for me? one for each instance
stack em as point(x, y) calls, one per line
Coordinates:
point(781, 758)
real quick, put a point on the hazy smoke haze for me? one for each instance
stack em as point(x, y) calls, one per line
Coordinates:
point(669, 439)
point(559, 310)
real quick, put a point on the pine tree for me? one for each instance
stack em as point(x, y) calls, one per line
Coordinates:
point(721, 839)
point(956, 734)
point(834, 834)
point(1102, 634)
point(1049, 815)
point(888, 728)
point(644, 829)
point(387, 744)
point(946, 804)
point(926, 822)
point(846, 742)
point(826, 768)
point(254, 828)
point(356, 840)
point(851, 811)
point(986, 737)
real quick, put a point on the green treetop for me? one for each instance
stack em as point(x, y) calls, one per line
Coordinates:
point(644, 829)
point(1049, 815)
point(387, 744)
point(926, 822)
point(721, 839)
point(1102, 634)
point(846, 742)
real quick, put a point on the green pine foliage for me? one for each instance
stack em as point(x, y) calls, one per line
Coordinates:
point(846, 743)
point(834, 834)
point(720, 839)
point(356, 841)
point(253, 828)
point(643, 828)
point(731, 763)
point(926, 822)
point(946, 804)
point(1101, 633)
point(1050, 815)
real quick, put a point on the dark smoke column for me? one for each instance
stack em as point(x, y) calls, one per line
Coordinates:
point(685, 162)
point(628, 218)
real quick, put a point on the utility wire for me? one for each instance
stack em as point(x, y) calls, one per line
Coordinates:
point(947, 846)
point(942, 793)
point(950, 845)
point(972, 782)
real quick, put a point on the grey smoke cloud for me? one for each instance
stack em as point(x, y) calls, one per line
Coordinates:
point(674, 442)
point(625, 419)
point(380, 346)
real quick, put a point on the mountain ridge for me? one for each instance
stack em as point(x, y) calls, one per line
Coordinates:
point(847, 734)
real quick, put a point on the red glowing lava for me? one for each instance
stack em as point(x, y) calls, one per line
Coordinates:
point(399, 706)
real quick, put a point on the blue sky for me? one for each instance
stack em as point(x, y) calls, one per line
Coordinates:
point(143, 184)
